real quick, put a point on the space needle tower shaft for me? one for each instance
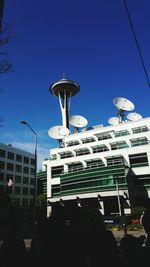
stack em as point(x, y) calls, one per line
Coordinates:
point(64, 103)
point(64, 89)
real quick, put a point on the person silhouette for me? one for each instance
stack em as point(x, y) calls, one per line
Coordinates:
point(145, 220)
point(101, 245)
point(131, 250)
point(13, 249)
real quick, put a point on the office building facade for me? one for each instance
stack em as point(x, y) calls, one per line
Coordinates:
point(17, 175)
point(108, 164)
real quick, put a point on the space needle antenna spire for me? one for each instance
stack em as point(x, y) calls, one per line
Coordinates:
point(64, 89)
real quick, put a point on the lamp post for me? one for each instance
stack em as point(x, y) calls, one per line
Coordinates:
point(35, 170)
point(122, 217)
point(118, 197)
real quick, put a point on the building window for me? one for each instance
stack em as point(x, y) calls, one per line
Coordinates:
point(121, 133)
point(67, 154)
point(100, 148)
point(18, 158)
point(9, 176)
point(1, 176)
point(73, 143)
point(32, 171)
point(83, 151)
point(18, 168)
point(10, 166)
point(115, 160)
point(2, 153)
point(18, 179)
point(103, 136)
point(31, 181)
point(31, 191)
point(17, 190)
point(25, 191)
point(10, 155)
point(32, 161)
point(2, 165)
point(1, 187)
point(25, 170)
point(118, 145)
point(88, 140)
point(55, 190)
point(95, 163)
point(73, 167)
point(26, 160)
point(139, 141)
point(25, 180)
point(138, 160)
point(140, 129)
point(57, 171)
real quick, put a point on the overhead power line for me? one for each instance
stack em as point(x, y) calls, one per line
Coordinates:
point(137, 43)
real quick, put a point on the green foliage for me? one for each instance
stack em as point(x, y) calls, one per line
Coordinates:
point(41, 202)
point(137, 212)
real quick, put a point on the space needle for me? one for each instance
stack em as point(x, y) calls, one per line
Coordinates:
point(64, 89)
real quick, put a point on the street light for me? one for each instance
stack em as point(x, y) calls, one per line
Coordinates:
point(118, 197)
point(35, 170)
point(122, 216)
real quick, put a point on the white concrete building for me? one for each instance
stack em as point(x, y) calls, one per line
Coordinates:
point(110, 164)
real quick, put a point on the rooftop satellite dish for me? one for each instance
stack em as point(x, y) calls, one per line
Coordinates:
point(78, 121)
point(123, 104)
point(113, 120)
point(133, 116)
point(58, 132)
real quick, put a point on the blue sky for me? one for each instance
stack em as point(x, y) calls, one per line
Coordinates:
point(92, 43)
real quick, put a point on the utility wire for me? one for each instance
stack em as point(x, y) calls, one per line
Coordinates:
point(136, 41)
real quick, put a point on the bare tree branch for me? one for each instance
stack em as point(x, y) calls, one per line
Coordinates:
point(6, 35)
point(5, 66)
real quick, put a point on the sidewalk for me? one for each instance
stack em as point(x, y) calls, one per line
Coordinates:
point(117, 234)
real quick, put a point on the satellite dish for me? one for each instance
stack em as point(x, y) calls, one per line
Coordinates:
point(58, 132)
point(113, 120)
point(133, 116)
point(123, 103)
point(78, 121)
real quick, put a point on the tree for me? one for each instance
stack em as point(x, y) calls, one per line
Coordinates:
point(41, 201)
point(41, 206)
point(1, 12)
point(6, 34)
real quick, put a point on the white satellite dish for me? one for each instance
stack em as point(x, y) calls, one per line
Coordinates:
point(133, 116)
point(123, 103)
point(58, 132)
point(113, 120)
point(78, 121)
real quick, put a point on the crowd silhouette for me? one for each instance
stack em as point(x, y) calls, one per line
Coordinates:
point(13, 249)
point(79, 238)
